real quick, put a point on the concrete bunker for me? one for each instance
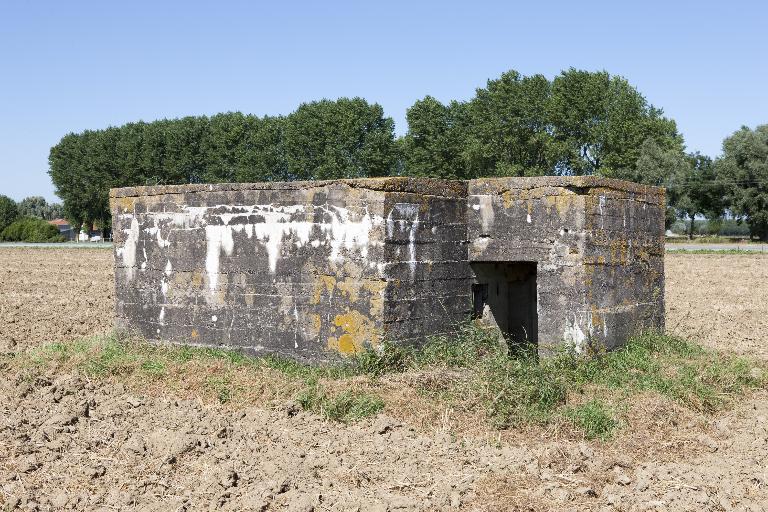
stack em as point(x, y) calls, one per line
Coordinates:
point(312, 270)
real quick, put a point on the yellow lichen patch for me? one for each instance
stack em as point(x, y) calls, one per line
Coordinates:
point(197, 279)
point(597, 318)
point(376, 289)
point(123, 204)
point(248, 299)
point(286, 297)
point(179, 285)
point(550, 202)
point(322, 282)
point(618, 249)
point(350, 268)
point(357, 330)
point(351, 287)
point(219, 294)
point(314, 323)
point(347, 344)
point(564, 205)
point(508, 199)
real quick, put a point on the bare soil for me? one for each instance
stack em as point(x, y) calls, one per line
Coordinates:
point(49, 295)
point(719, 300)
point(70, 443)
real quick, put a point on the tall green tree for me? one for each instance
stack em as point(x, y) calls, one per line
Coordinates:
point(658, 166)
point(9, 212)
point(68, 170)
point(743, 172)
point(509, 133)
point(600, 123)
point(436, 139)
point(581, 122)
point(662, 168)
point(264, 155)
point(346, 138)
point(695, 191)
point(322, 140)
point(183, 151)
point(223, 147)
point(243, 148)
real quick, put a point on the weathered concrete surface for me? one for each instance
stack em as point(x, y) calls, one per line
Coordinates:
point(598, 245)
point(314, 269)
point(304, 269)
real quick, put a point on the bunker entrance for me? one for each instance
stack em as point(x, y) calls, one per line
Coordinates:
point(504, 297)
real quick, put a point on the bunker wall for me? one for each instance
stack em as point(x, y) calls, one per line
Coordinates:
point(304, 269)
point(598, 248)
point(624, 262)
point(534, 220)
point(429, 280)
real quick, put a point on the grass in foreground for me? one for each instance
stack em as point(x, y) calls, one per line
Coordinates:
point(467, 371)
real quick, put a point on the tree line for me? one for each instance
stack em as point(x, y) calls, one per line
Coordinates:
point(33, 206)
point(578, 123)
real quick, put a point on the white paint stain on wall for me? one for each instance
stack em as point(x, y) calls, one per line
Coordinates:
point(575, 330)
point(487, 215)
point(600, 206)
point(218, 238)
point(338, 229)
point(128, 250)
point(574, 335)
point(271, 225)
point(405, 217)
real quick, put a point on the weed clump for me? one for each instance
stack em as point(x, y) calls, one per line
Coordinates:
point(350, 405)
point(594, 418)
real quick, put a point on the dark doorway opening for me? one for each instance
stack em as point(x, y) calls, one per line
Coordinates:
point(504, 296)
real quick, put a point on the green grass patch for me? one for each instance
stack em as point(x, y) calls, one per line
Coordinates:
point(697, 239)
point(698, 378)
point(347, 406)
point(468, 370)
point(222, 387)
point(594, 418)
point(520, 388)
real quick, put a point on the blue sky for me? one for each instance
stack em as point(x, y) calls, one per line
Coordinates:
point(70, 65)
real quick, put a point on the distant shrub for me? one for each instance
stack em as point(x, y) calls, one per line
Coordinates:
point(712, 227)
point(731, 227)
point(28, 229)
